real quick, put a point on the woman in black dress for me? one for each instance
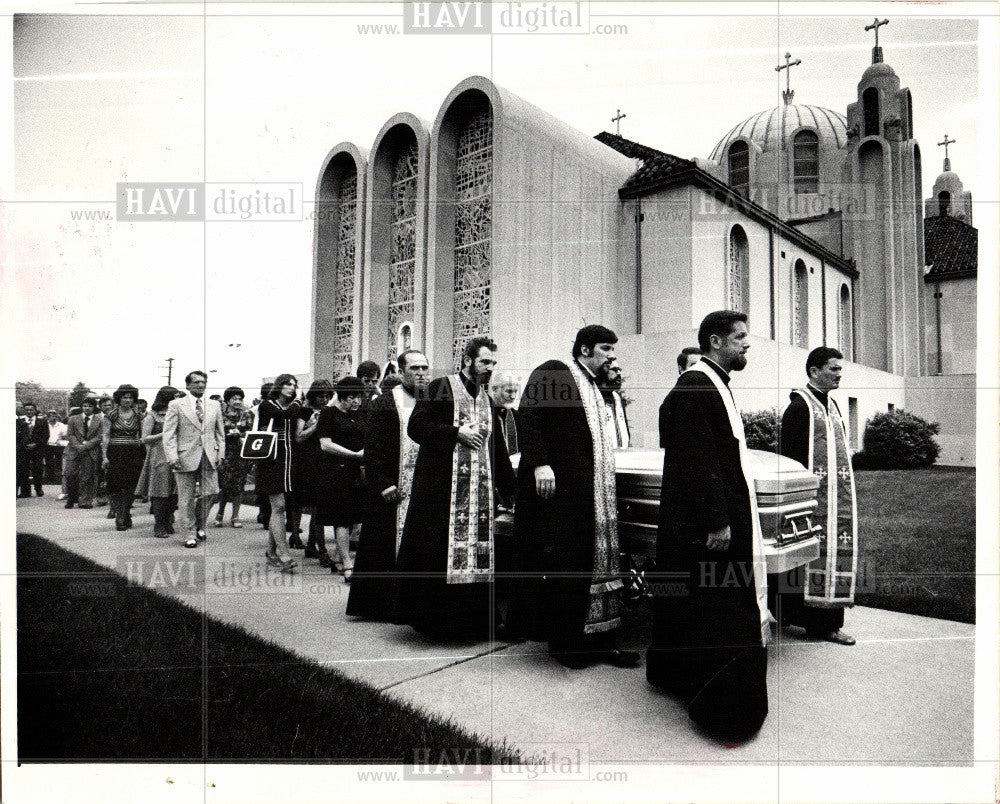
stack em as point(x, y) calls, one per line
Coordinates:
point(341, 497)
point(306, 470)
point(233, 469)
point(124, 453)
point(274, 475)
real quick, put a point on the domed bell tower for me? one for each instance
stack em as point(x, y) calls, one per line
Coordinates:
point(884, 229)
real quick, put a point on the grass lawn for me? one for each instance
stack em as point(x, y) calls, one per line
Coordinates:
point(111, 671)
point(917, 533)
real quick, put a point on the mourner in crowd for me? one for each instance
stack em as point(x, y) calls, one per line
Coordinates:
point(83, 454)
point(610, 387)
point(157, 482)
point(308, 462)
point(31, 456)
point(105, 405)
point(504, 390)
point(390, 457)
point(342, 496)
point(54, 449)
point(568, 589)
point(233, 467)
point(123, 453)
point(709, 646)
point(687, 358)
point(262, 500)
point(812, 432)
point(194, 441)
point(274, 474)
point(445, 567)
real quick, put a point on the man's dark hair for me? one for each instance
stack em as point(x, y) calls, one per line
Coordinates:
point(682, 358)
point(195, 373)
point(590, 336)
point(475, 344)
point(349, 385)
point(820, 356)
point(404, 358)
point(720, 323)
point(89, 400)
point(367, 370)
point(265, 390)
point(317, 389)
point(141, 402)
point(279, 382)
point(29, 403)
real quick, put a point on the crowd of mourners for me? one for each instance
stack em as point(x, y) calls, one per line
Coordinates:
point(411, 477)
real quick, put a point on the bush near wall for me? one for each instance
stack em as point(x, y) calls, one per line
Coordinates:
point(762, 428)
point(898, 440)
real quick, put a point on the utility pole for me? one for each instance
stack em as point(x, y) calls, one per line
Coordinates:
point(170, 370)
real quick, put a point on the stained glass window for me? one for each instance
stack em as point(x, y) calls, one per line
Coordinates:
point(739, 167)
point(845, 322)
point(739, 271)
point(473, 231)
point(343, 320)
point(402, 234)
point(805, 156)
point(800, 305)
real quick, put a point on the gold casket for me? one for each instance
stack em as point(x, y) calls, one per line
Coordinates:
point(786, 501)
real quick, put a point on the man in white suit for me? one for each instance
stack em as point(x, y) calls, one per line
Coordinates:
point(194, 442)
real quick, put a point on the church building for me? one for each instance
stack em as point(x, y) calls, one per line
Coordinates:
point(499, 219)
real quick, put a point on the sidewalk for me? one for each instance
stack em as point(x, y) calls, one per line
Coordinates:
point(903, 694)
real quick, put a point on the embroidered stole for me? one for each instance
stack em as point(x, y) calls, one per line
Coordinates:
point(830, 579)
point(470, 520)
point(408, 449)
point(759, 561)
point(604, 612)
point(620, 423)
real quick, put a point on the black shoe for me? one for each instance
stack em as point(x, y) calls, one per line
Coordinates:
point(295, 543)
point(39, 493)
point(23, 495)
point(324, 559)
point(311, 552)
point(200, 533)
point(86, 506)
point(169, 527)
point(574, 660)
point(68, 505)
point(121, 526)
point(111, 514)
point(619, 658)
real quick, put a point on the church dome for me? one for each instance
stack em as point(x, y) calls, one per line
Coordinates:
point(765, 128)
point(878, 70)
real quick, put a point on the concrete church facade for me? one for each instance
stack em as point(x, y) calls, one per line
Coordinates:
point(500, 219)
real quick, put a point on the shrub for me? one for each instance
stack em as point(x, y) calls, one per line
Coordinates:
point(898, 440)
point(762, 428)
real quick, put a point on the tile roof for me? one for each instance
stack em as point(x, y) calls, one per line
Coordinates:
point(951, 248)
point(657, 169)
point(633, 150)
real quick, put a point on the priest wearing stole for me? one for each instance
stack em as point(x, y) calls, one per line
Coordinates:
point(709, 642)
point(446, 562)
point(390, 460)
point(568, 584)
point(812, 433)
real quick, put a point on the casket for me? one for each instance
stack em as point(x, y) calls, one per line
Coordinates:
point(786, 502)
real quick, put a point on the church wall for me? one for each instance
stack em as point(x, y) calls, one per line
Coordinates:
point(786, 256)
point(951, 402)
point(958, 326)
point(712, 222)
point(666, 259)
point(773, 370)
point(835, 280)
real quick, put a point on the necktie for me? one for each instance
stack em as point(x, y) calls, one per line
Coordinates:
point(199, 408)
point(86, 425)
point(511, 427)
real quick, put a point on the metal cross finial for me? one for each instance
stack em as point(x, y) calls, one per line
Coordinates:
point(788, 94)
point(876, 51)
point(617, 121)
point(946, 142)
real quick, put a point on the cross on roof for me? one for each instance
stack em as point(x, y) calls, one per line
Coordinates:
point(876, 51)
point(617, 121)
point(946, 142)
point(788, 94)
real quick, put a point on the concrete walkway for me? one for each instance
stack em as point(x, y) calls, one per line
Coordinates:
point(903, 694)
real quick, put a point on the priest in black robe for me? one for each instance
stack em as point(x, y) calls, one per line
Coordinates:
point(390, 458)
point(568, 584)
point(711, 622)
point(446, 563)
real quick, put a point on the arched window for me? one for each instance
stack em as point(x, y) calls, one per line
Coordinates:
point(404, 337)
point(739, 167)
point(402, 246)
point(473, 230)
point(806, 162)
point(738, 272)
point(800, 305)
point(944, 203)
point(846, 325)
point(869, 101)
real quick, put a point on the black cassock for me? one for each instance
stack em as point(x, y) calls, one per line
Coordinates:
point(706, 646)
point(423, 597)
point(372, 582)
point(553, 539)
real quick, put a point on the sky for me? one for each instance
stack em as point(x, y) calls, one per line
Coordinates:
point(261, 93)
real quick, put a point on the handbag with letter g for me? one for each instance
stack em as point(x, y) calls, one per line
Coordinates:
point(258, 445)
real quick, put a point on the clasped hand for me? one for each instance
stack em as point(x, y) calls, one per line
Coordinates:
point(470, 436)
point(545, 482)
point(718, 539)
